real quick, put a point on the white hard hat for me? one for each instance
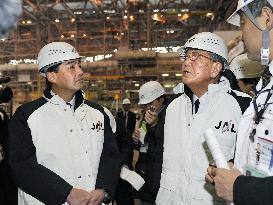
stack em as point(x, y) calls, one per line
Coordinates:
point(126, 101)
point(150, 91)
point(235, 18)
point(242, 67)
point(208, 42)
point(55, 53)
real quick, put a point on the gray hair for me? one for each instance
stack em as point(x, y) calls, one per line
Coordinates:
point(216, 57)
point(256, 7)
point(10, 10)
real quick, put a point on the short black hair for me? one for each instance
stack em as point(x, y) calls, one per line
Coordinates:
point(250, 81)
point(256, 7)
point(54, 68)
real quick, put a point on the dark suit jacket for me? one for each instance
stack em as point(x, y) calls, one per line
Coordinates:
point(253, 191)
point(131, 122)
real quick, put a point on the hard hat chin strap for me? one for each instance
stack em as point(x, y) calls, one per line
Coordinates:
point(265, 36)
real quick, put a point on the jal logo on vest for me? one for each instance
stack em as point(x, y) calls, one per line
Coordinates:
point(225, 126)
point(97, 126)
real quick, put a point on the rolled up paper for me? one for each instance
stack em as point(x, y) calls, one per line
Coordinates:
point(215, 149)
point(132, 177)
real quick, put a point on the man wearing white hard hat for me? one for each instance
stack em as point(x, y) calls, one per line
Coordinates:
point(247, 73)
point(61, 148)
point(152, 98)
point(255, 131)
point(206, 101)
point(128, 117)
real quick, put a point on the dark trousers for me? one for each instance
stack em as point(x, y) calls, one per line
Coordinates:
point(124, 193)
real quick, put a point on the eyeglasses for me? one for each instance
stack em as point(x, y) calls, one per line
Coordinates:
point(193, 56)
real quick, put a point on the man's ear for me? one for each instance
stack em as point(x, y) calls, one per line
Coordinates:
point(268, 15)
point(216, 69)
point(51, 77)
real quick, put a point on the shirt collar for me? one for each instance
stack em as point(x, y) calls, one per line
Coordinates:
point(56, 98)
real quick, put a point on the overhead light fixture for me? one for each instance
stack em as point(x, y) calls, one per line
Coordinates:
point(23, 22)
point(3, 39)
point(62, 36)
point(137, 85)
point(57, 20)
point(107, 17)
point(125, 17)
point(72, 35)
point(178, 74)
point(165, 75)
point(210, 15)
point(84, 35)
point(178, 15)
point(167, 85)
point(184, 17)
point(159, 17)
point(132, 18)
point(72, 20)
point(29, 22)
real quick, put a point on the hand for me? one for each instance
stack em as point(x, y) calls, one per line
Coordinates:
point(96, 197)
point(209, 176)
point(151, 117)
point(78, 197)
point(136, 135)
point(224, 180)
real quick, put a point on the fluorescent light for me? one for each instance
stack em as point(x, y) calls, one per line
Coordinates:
point(178, 74)
point(57, 20)
point(165, 74)
point(136, 85)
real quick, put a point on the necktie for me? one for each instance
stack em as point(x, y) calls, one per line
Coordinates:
point(126, 119)
point(196, 105)
point(266, 77)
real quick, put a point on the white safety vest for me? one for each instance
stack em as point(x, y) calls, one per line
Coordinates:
point(256, 157)
point(80, 132)
point(186, 155)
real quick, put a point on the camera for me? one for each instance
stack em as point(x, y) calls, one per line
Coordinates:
point(6, 93)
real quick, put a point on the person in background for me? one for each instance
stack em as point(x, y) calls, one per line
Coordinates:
point(8, 190)
point(251, 183)
point(123, 194)
point(128, 117)
point(61, 148)
point(147, 139)
point(247, 73)
point(10, 11)
point(206, 101)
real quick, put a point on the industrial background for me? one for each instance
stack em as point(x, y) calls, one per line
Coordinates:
point(126, 43)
